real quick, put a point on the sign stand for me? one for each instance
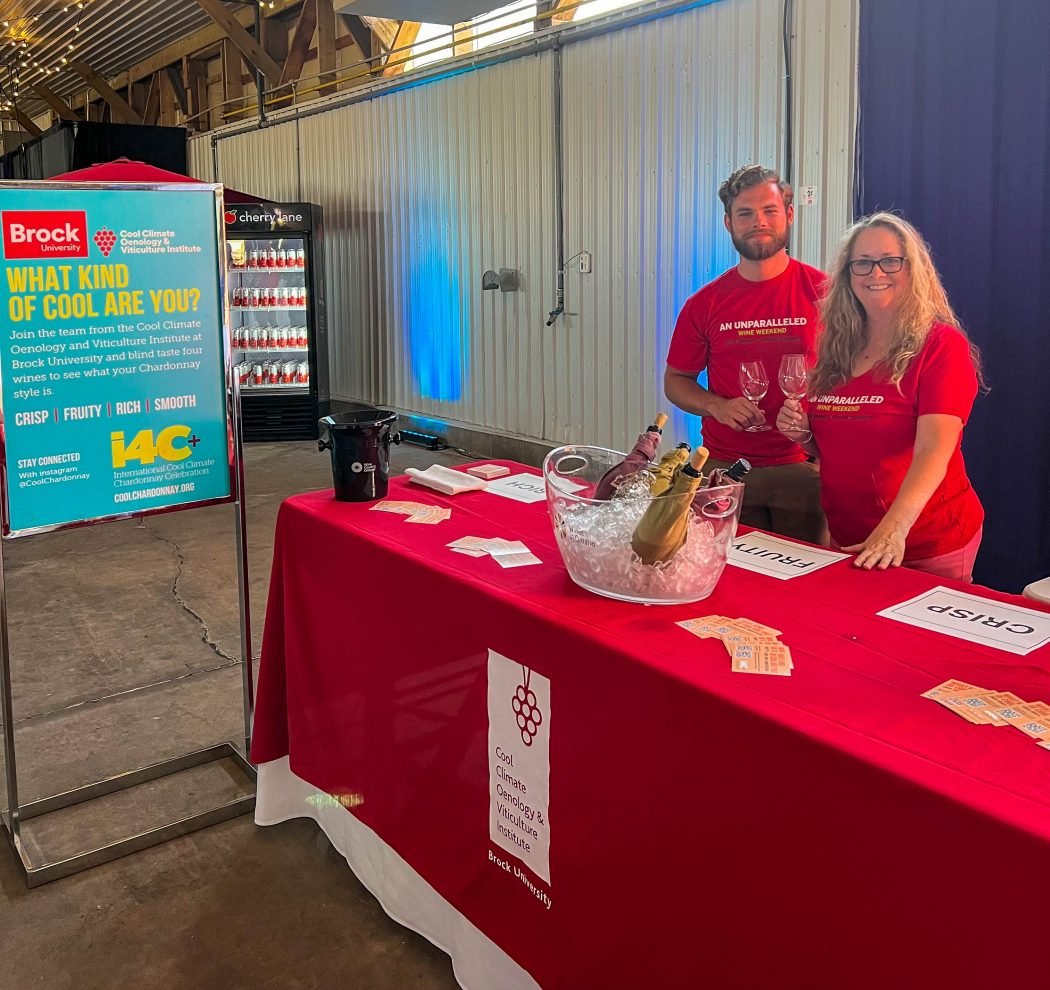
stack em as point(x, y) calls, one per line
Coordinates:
point(86, 206)
point(40, 873)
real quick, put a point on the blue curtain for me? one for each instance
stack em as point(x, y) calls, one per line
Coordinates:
point(955, 134)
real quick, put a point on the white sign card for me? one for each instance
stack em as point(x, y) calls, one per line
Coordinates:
point(526, 487)
point(519, 702)
point(1012, 628)
point(779, 558)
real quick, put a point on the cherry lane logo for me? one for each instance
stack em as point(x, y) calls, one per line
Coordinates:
point(44, 234)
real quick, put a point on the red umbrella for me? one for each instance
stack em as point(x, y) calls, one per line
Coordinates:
point(125, 170)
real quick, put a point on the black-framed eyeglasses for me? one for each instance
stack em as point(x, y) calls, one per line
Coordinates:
point(864, 266)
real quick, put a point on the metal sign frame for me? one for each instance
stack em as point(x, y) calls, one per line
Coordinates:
point(36, 873)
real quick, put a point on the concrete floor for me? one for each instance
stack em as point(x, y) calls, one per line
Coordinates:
point(124, 640)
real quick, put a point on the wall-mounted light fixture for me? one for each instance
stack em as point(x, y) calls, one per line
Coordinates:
point(506, 280)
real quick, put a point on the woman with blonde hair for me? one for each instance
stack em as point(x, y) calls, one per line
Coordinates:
point(892, 388)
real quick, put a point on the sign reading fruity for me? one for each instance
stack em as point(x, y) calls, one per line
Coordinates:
point(112, 356)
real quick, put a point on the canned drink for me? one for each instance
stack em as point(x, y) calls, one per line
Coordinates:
point(253, 258)
point(267, 373)
point(282, 336)
point(301, 339)
point(271, 258)
point(271, 296)
point(253, 299)
point(244, 370)
point(300, 258)
point(282, 258)
point(302, 372)
point(236, 296)
point(288, 370)
point(257, 375)
point(253, 337)
point(235, 337)
point(271, 336)
point(282, 296)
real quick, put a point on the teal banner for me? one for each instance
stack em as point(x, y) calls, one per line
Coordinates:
point(112, 353)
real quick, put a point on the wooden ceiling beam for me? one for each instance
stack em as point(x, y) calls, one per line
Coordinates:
point(326, 58)
point(254, 53)
point(301, 38)
point(25, 123)
point(53, 100)
point(119, 107)
point(406, 35)
point(178, 88)
point(151, 115)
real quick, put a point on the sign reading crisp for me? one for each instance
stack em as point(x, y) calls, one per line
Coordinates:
point(112, 353)
point(1012, 628)
point(519, 703)
point(779, 558)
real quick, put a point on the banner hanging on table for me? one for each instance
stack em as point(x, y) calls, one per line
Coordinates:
point(112, 352)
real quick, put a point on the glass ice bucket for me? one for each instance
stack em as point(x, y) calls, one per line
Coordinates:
point(594, 537)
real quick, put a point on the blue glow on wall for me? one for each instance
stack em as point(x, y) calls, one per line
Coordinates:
point(438, 349)
point(703, 251)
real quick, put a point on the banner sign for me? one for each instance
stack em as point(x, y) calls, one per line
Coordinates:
point(112, 352)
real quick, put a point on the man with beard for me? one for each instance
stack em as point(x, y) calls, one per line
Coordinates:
point(759, 311)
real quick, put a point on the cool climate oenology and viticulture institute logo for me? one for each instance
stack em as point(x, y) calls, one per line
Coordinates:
point(104, 239)
point(526, 711)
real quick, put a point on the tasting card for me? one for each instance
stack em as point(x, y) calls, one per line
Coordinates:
point(753, 648)
point(506, 553)
point(983, 707)
point(415, 512)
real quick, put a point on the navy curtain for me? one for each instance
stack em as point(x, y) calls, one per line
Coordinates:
point(955, 134)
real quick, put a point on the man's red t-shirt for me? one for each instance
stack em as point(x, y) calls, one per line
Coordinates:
point(865, 430)
point(731, 320)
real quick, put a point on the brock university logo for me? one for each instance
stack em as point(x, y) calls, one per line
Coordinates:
point(34, 234)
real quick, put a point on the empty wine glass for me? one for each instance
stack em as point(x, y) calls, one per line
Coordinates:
point(754, 383)
point(794, 377)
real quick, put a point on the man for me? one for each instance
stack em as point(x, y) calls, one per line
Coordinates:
point(760, 310)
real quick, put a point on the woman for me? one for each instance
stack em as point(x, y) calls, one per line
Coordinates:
point(893, 385)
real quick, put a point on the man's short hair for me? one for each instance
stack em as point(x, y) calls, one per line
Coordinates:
point(747, 177)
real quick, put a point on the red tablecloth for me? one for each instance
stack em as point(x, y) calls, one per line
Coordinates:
point(714, 830)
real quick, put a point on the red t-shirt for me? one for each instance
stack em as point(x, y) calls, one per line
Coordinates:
point(865, 430)
point(731, 320)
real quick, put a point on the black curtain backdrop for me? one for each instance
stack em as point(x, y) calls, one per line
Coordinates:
point(955, 135)
point(69, 145)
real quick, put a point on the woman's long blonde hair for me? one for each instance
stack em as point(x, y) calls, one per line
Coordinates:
point(844, 331)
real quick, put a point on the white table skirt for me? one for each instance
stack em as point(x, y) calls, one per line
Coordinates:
point(479, 964)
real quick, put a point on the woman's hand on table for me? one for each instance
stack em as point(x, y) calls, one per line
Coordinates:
point(883, 548)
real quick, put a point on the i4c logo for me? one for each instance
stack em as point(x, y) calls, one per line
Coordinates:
point(173, 443)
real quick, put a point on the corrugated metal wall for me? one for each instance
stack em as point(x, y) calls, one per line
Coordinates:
point(198, 158)
point(825, 73)
point(264, 163)
point(426, 188)
point(655, 118)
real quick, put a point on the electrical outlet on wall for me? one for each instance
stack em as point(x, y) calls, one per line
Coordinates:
point(585, 262)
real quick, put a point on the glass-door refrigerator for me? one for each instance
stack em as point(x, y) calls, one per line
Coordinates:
point(279, 336)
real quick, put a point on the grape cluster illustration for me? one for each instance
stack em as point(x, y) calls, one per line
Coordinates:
point(105, 239)
point(528, 715)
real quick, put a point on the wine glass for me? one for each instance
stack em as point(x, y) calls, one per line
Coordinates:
point(794, 377)
point(754, 383)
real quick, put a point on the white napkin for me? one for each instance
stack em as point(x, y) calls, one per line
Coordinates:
point(445, 480)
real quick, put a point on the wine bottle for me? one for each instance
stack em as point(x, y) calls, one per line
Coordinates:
point(663, 529)
point(732, 475)
point(641, 454)
point(663, 474)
